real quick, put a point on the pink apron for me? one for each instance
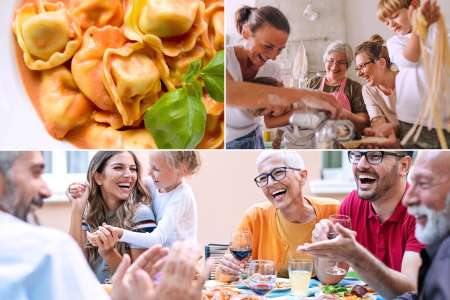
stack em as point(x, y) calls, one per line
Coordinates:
point(339, 94)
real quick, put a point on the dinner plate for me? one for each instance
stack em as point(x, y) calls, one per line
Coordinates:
point(20, 124)
point(284, 281)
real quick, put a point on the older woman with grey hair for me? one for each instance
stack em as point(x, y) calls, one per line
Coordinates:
point(285, 220)
point(338, 58)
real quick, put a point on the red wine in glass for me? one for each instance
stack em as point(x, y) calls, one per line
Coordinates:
point(241, 253)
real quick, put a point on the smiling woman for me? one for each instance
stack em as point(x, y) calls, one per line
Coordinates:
point(114, 194)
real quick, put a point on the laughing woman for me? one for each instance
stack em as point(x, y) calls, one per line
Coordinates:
point(115, 195)
point(265, 31)
point(375, 67)
point(338, 58)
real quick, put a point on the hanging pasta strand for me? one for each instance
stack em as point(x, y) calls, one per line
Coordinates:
point(435, 105)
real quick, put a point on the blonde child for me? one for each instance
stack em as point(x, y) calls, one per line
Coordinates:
point(173, 201)
point(405, 50)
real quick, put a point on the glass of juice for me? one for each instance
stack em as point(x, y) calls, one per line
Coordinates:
point(299, 275)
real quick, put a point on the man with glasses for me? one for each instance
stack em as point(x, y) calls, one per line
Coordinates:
point(283, 222)
point(382, 247)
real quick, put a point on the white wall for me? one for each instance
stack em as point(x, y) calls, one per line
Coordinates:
point(361, 20)
point(231, 6)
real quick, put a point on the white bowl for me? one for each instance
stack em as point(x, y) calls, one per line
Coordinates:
point(22, 129)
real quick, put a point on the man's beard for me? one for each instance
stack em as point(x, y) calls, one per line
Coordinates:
point(437, 226)
point(384, 184)
point(21, 209)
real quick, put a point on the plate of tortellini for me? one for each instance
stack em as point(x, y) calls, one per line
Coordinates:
point(113, 74)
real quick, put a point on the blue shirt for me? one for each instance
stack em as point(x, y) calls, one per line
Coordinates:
point(42, 263)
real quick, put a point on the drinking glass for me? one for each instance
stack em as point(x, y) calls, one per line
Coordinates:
point(241, 248)
point(345, 221)
point(262, 277)
point(300, 271)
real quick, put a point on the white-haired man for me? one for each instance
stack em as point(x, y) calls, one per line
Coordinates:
point(428, 200)
point(286, 220)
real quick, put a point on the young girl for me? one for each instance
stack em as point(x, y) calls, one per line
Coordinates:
point(115, 195)
point(173, 201)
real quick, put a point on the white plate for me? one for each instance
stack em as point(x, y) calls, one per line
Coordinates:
point(20, 124)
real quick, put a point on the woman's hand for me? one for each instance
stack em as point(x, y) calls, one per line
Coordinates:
point(323, 101)
point(78, 194)
point(228, 268)
point(103, 239)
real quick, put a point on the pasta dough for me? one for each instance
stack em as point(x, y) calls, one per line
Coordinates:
point(47, 34)
point(87, 64)
point(61, 105)
point(436, 105)
point(172, 26)
point(97, 13)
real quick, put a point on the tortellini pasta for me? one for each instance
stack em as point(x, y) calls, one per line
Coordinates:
point(97, 13)
point(47, 34)
point(87, 64)
point(103, 63)
point(61, 105)
point(172, 25)
point(95, 135)
point(213, 38)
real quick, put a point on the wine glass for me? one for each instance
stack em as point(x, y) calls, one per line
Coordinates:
point(262, 277)
point(241, 247)
point(345, 221)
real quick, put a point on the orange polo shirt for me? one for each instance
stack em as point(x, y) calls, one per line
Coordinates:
point(275, 238)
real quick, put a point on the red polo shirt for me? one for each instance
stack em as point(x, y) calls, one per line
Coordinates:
point(389, 240)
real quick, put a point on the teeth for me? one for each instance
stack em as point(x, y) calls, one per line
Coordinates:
point(124, 185)
point(277, 192)
point(366, 177)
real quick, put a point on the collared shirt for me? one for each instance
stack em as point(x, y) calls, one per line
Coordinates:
point(434, 272)
point(270, 238)
point(387, 240)
point(42, 263)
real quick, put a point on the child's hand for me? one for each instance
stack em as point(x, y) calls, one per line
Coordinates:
point(103, 239)
point(431, 11)
point(78, 193)
point(117, 232)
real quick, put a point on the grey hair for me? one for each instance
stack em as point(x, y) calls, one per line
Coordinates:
point(291, 158)
point(340, 47)
point(7, 159)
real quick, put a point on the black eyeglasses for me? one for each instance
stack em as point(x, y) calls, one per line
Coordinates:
point(277, 174)
point(363, 65)
point(372, 157)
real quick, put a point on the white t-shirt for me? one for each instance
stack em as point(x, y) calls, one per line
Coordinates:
point(176, 217)
point(238, 121)
point(42, 263)
point(410, 83)
point(379, 104)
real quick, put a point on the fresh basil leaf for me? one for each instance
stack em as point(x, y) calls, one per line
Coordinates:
point(213, 76)
point(192, 72)
point(178, 119)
